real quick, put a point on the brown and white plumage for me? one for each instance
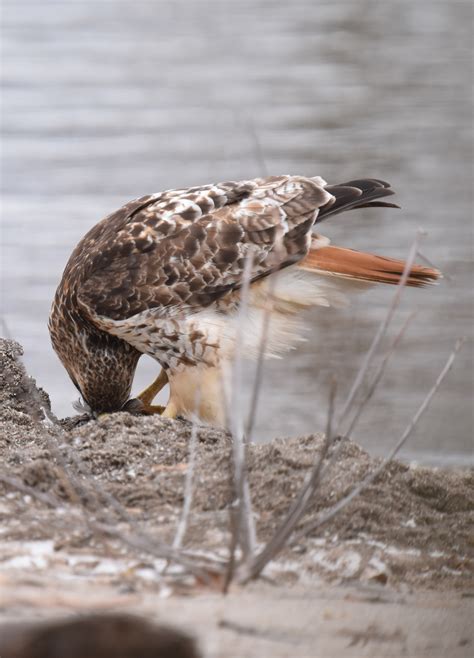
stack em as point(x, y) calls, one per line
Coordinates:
point(162, 276)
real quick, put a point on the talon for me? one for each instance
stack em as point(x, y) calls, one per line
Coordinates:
point(152, 391)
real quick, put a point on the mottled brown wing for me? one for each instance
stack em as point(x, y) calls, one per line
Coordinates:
point(183, 249)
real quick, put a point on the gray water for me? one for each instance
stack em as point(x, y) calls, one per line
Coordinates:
point(104, 101)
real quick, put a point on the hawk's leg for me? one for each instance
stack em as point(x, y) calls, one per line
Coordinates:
point(152, 391)
point(146, 398)
point(171, 411)
point(150, 409)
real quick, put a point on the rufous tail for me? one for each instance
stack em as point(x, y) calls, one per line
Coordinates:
point(360, 266)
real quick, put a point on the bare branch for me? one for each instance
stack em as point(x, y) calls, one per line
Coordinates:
point(257, 383)
point(309, 527)
point(15, 483)
point(142, 543)
point(380, 333)
point(244, 524)
point(429, 262)
point(379, 374)
point(236, 392)
point(188, 482)
point(139, 539)
point(335, 454)
point(234, 540)
point(98, 489)
point(298, 508)
point(80, 494)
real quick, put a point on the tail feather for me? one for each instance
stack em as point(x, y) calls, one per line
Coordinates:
point(360, 266)
point(363, 193)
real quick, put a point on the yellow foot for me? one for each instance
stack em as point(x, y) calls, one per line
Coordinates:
point(151, 391)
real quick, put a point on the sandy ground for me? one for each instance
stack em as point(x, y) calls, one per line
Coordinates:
point(392, 574)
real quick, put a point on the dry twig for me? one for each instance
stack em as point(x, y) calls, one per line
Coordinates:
point(379, 374)
point(80, 493)
point(257, 383)
point(241, 517)
point(380, 333)
point(18, 485)
point(298, 508)
point(312, 525)
point(365, 365)
point(243, 523)
point(160, 550)
point(188, 482)
point(430, 263)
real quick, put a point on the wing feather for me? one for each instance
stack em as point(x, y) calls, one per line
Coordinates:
point(181, 250)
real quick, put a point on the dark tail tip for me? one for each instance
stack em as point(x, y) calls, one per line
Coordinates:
point(361, 193)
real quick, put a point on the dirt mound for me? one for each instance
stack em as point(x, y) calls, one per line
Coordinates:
point(411, 525)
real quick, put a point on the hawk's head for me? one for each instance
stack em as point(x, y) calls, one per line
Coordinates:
point(100, 365)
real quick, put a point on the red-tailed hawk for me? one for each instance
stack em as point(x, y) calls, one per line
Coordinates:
point(163, 276)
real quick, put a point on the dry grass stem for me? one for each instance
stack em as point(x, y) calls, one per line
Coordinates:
point(309, 527)
point(137, 541)
point(84, 488)
point(159, 550)
point(189, 480)
point(236, 412)
point(430, 263)
point(257, 383)
point(80, 494)
point(233, 544)
point(378, 375)
point(242, 509)
point(366, 398)
point(299, 506)
point(138, 538)
point(18, 485)
point(380, 333)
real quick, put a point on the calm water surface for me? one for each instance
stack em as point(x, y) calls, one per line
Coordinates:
point(105, 101)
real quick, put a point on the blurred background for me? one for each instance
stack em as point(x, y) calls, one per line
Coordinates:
point(108, 100)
